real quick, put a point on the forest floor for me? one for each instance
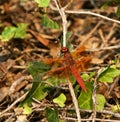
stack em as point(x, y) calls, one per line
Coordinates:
point(99, 35)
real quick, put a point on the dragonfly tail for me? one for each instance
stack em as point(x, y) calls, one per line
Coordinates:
point(78, 78)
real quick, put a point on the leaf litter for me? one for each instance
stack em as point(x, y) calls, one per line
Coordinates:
point(98, 35)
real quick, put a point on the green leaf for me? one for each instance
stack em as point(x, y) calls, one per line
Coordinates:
point(37, 91)
point(53, 81)
point(14, 32)
point(42, 3)
point(52, 115)
point(108, 74)
point(41, 92)
point(47, 22)
point(60, 100)
point(87, 77)
point(68, 40)
point(37, 67)
point(8, 33)
point(21, 31)
point(27, 110)
point(116, 108)
point(85, 99)
point(76, 89)
point(100, 100)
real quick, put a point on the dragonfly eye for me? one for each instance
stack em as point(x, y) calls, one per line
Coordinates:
point(64, 50)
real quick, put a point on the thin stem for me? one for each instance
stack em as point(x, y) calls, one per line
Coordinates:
point(64, 21)
point(64, 26)
point(94, 98)
point(74, 99)
point(92, 13)
point(88, 13)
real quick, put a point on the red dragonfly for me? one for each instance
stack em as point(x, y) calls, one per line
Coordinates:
point(71, 65)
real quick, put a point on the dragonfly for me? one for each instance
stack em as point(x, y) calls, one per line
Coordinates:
point(70, 63)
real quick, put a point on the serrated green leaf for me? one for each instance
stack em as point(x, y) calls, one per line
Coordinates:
point(14, 32)
point(85, 99)
point(100, 100)
point(47, 22)
point(42, 3)
point(51, 115)
point(108, 74)
point(60, 100)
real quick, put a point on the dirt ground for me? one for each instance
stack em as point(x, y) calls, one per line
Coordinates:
point(98, 34)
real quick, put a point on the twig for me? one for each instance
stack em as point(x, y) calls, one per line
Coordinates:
point(64, 21)
point(113, 85)
point(88, 13)
point(105, 112)
point(17, 82)
point(74, 99)
point(92, 13)
point(94, 100)
point(13, 104)
point(105, 48)
point(97, 119)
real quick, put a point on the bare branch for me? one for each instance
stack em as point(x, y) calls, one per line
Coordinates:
point(64, 21)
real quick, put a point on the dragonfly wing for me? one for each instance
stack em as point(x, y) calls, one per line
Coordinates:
point(57, 71)
point(75, 73)
point(83, 63)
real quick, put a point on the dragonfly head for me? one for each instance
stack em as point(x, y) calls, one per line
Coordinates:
point(64, 50)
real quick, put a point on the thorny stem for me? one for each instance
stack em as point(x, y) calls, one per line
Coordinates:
point(64, 21)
